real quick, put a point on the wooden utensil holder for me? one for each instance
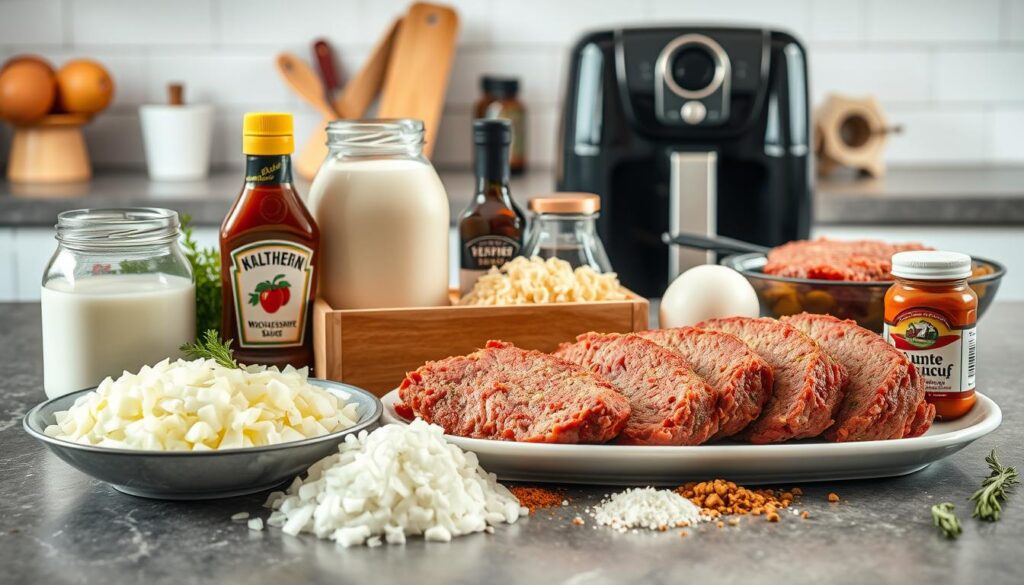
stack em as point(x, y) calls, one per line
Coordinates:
point(50, 151)
point(375, 348)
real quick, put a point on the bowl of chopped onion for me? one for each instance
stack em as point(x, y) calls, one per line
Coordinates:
point(202, 429)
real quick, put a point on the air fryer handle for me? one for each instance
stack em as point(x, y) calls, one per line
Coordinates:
point(713, 243)
point(693, 199)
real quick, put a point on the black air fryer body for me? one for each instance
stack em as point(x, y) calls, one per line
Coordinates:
point(657, 120)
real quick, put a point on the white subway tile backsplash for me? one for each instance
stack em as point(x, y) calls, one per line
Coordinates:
point(542, 138)
point(454, 147)
point(142, 22)
point(8, 272)
point(984, 76)
point(889, 75)
point(1007, 128)
point(115, 140)
point(833, 22)
point(540, 74)
point(31, 22)
point(790, 15)
point(934, 21)
point(269, 22)
point(559, 24)
point(1013, 27)
point(248, 78)
point(954, 135)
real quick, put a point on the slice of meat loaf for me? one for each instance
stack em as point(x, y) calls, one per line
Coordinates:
point(808, 383)
point(504, 392)
point(883, 391)
point(669, 403)
point(742, 378)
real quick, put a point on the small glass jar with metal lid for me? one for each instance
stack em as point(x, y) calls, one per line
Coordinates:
point(117, 294)
point(564, 226)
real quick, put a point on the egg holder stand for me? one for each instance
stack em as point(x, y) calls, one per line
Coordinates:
point(52, 150)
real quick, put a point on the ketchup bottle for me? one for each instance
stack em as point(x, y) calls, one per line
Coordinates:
point(269, 249)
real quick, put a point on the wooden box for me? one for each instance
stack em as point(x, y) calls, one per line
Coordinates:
point(375, 348)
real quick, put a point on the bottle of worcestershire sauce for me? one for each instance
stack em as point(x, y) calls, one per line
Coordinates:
point(269, 249)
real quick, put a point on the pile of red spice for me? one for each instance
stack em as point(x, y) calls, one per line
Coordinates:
point(535, 498)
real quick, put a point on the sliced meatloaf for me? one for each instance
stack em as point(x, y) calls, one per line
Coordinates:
point(882, 395)
point(808, 383)
point(504, 392)
point(742, 378)
point(669, 403)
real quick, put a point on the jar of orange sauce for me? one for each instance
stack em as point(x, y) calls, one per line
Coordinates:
point(931, 315)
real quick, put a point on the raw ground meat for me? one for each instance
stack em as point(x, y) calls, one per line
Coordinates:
point(825, 259)
point(669, 403)
point(504, 392)
point(883, 392)
point(742, 378)
point(808, 383)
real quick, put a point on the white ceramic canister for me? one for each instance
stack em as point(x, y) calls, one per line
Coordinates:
point(383, 218)
point(177, 141)
point(117, 294)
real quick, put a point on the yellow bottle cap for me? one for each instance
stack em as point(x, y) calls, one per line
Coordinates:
point(267, 133)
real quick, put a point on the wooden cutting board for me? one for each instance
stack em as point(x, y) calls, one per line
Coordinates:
point(418, 68)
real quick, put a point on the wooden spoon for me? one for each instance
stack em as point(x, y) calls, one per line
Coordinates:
point(301, 78)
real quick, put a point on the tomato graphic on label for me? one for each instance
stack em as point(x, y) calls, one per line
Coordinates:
point(271, 294)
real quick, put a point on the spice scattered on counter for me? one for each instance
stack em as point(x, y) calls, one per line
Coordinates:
point(393, 482)
point(994, 489)
point(240, 516)
point(946, 520)
point(255, 524)
point(646, 508)
point(723, 498)
point(833, 498)
point(535, 498)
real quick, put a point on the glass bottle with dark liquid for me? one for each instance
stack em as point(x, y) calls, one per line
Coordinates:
point(269, 249)
point(492, 227)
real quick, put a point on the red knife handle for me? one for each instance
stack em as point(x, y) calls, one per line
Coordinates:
point(325, 62)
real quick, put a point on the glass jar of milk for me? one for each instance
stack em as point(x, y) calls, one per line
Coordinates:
point(117, 294)
point(383, 218)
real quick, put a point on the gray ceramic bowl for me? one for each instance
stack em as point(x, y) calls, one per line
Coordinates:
point(171, 475)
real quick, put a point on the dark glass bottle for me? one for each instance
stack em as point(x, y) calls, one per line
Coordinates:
point(500, 100)
point(492, 227)
point(269, 247)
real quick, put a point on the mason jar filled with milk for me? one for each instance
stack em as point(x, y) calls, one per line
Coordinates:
point(117, 294)
point(383, 218)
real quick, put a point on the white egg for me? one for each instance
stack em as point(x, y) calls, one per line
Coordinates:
point(707, 292)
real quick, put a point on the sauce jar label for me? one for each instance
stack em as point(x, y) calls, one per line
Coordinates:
point(944, 354)
point(271, 281)
point(491, 250)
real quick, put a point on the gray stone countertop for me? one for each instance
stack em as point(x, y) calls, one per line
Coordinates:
point(60, 526)
point(977, 196)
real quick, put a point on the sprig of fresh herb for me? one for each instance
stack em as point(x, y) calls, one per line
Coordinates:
point(206, 270)
point(994, 488)
point(211, 347)
point(946, 520)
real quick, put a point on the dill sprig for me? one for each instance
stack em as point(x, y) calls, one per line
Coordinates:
point(994, 488)
point(946, 520)
point(210, 347)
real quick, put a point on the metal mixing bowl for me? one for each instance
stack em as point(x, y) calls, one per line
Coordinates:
point(200, 475)
point(864, 302)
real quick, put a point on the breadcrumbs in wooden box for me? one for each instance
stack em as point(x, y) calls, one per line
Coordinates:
point(375, 348)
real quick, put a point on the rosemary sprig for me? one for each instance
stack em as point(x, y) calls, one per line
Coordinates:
point(946, 520)
point(994, 488)
point(210, 347)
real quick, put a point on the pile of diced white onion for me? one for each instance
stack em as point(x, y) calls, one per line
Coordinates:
point(393, 482)
point(201, 406)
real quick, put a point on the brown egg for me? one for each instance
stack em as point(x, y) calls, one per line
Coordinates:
point(84, 87)
point(28, 90)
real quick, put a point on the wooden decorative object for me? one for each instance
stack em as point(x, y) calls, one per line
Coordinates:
point(851, 132)
point(50, 151)
point(375, 348)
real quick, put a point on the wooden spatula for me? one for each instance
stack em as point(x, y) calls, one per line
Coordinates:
point(357, 97)
point(419, 65)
